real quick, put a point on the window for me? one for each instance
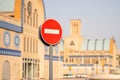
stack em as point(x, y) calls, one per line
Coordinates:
point(119, 63)
point(31, 21)
point(35, 18)
point(66, 60)
point(77, 61)
point(29, 8)
point(72, 60)
point(94, 60)
point(88, 60)
point(31, 45)
point(7, 38)
point(6, 71)
point(36, 46)
point(30, 67)
point(27, 19)
point(24, 15)
point(84, 60)
point(80, 61)
point(27, 45)
point(24, 44)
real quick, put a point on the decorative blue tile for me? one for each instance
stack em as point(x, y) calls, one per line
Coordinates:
point(55, 58)
point(10, 26)
point(10, 52)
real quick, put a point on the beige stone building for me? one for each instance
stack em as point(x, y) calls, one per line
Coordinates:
point(22, 54)
point(117, 69)
point(118, 58)
point(87, 56)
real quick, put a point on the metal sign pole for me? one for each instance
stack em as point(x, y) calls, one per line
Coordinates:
point(50, 27)
point(50, 62)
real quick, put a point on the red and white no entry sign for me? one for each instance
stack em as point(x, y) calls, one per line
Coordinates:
point(51, 32)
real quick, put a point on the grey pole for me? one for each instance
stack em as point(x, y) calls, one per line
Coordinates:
point(50, 62)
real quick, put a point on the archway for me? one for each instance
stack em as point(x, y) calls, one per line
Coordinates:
point(6, 71)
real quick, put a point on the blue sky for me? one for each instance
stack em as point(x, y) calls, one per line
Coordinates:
point(7, 5)
point(100, 18)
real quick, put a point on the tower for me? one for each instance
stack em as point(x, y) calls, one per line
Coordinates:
point(75, 27)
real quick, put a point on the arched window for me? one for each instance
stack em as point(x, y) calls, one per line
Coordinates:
point(24, 14)
point(35, 18)
point(31, 45)
point(27, 19)
point(24, 44)
point(36, 46)
point(6, 71)
point(27, 44)
point(31, 21)
point(66, 60)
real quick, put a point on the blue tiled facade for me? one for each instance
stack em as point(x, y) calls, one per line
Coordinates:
point(55, 58)
point(10, 52)
point(91, 56)
point(83, 65)
point(10, 26)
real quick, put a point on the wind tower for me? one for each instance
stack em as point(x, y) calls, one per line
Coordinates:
point(75, 27)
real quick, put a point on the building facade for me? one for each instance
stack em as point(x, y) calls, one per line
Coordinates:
point(22, 54)
point(118, 58)
point(57, 62)
point(87, 56)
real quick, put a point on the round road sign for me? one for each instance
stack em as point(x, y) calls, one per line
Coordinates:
point(51, 32)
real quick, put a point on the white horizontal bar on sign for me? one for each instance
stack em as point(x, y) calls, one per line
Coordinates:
point(51, 31)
